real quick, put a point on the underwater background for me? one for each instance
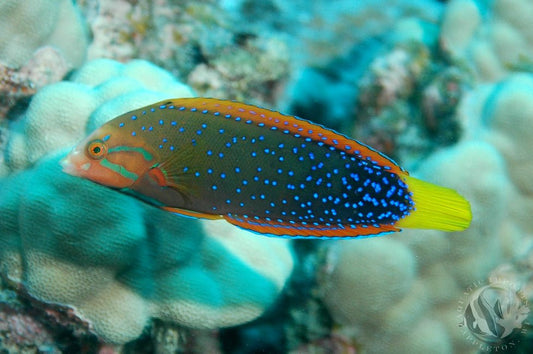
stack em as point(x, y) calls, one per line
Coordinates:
point(443, 87)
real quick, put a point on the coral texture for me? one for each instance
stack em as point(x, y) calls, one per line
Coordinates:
point(489, 36)
point(194, 40)
point(444, 87)
point(416, 280)
point(26, 26)
point(425, 274)
point(116, 261)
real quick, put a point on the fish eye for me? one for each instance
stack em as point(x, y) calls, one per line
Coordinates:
point(96, 149)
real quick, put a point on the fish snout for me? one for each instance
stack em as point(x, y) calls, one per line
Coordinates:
point(75, 163)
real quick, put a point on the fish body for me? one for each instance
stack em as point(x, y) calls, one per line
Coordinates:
point(261, 170)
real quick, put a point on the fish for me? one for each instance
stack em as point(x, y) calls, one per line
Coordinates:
point(261, 170)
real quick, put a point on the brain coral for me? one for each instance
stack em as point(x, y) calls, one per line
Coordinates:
point(27, 25)
point(115, 260)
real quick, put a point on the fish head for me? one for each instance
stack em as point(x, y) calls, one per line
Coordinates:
point(110, 157)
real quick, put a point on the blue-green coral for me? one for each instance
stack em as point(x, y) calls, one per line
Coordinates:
point(115, 260)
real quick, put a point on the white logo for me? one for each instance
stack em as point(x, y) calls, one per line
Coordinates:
point(493, 316)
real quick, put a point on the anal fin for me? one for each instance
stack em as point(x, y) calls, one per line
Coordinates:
point(300, 230)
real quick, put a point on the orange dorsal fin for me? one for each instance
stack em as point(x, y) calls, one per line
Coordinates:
point(282, 122)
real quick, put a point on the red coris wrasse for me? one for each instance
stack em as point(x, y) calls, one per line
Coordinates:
point(262, 171)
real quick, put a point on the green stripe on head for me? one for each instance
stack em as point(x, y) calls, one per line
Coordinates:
point(146, 155)
point(119, 169)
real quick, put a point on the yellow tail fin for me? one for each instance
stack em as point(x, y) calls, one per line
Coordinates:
point(436, 207)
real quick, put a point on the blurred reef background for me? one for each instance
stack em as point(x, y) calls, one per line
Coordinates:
point(445, 88)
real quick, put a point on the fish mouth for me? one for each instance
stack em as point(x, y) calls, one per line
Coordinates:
point(67, 166)
point(71, 163)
